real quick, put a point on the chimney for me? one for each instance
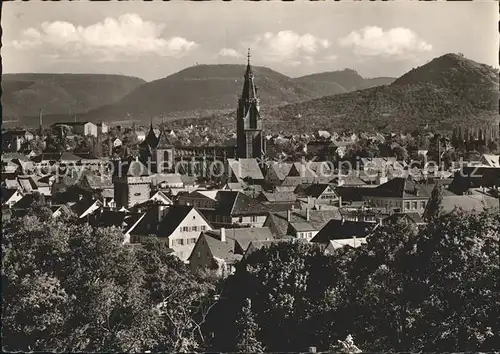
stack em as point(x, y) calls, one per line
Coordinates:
point(340, 201)
point(223, 234)
point(308, 214)
point(288, 215)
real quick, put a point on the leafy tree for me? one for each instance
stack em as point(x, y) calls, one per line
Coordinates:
point(247, 330)
point(71, 287)
point(400, 152)
point(434, 205)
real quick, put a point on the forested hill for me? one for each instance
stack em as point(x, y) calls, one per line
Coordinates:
point(23, 95)
point(448, 91)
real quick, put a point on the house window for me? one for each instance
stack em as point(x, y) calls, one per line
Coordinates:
point(407, 205)
point(253, 219)
point(137, 194)
point(422, 205)
point(185, 229)
point(192, 240)
point(180, 242)
point(415, 205)
point(203, 227)
point(240, 219)
point(194, 228)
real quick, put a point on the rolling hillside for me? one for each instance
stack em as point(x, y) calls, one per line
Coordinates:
point(201, 90)
point(196, 91)
point(447, 91)
point(24, 94)
point(336, 82)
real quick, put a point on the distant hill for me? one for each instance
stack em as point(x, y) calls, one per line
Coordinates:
point(200, 90)
point(336, 82)
point(443, 93)
point(193, 92)
point(24, 94)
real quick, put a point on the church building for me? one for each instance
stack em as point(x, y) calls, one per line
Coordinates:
point(160, 152)
point(250, 139)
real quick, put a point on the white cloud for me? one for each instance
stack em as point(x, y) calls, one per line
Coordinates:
point(128, 35)
point(229, 52)
point(397, 42)
point(287, 46)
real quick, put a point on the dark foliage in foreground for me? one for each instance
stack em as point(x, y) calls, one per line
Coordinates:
point(69, 287)
point(433, 289)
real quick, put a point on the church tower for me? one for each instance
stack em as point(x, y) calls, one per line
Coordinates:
point(250, 139)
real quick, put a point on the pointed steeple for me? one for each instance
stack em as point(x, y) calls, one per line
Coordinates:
point(249, 93)
point(151, 139)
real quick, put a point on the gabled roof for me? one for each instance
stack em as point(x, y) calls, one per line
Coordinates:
point(236, 203)
point(82, 206)
point(245, 168)
point(317, 219)
point(257, 245)
point(401, 188)
point(151, 139)
point(7, 194)
point(278, 196)
point(11, 184)
point(27, 183)
point(281, 169)
point(469, 203)
point(491, 160)
point(301, 226)
point(25, 202)
point(244, 236)
point(168, 178)
point(164, 140)
point(221, 250)
point(340, 229)
point(121, 219)
point(312, 190)
point(99, 182)
point(300, 169)
point(174, 216)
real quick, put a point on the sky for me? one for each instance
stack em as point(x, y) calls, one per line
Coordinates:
point(152, 40)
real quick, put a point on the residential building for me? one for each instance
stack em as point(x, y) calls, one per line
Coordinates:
point(490, 160)
point(116, 143)
point(10, 197)
point(343, 232)
point(319, 193)
point(244, 171)
point(14, 140)
point(237, 209)
point(80, 128)
point(277, 172)
point(201, 200)
point(399, 195)
point(179, 226)
point(102, 128)
point(300, 224)
point(220, 250)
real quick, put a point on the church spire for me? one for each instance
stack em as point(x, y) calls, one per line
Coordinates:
point(249, 93)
